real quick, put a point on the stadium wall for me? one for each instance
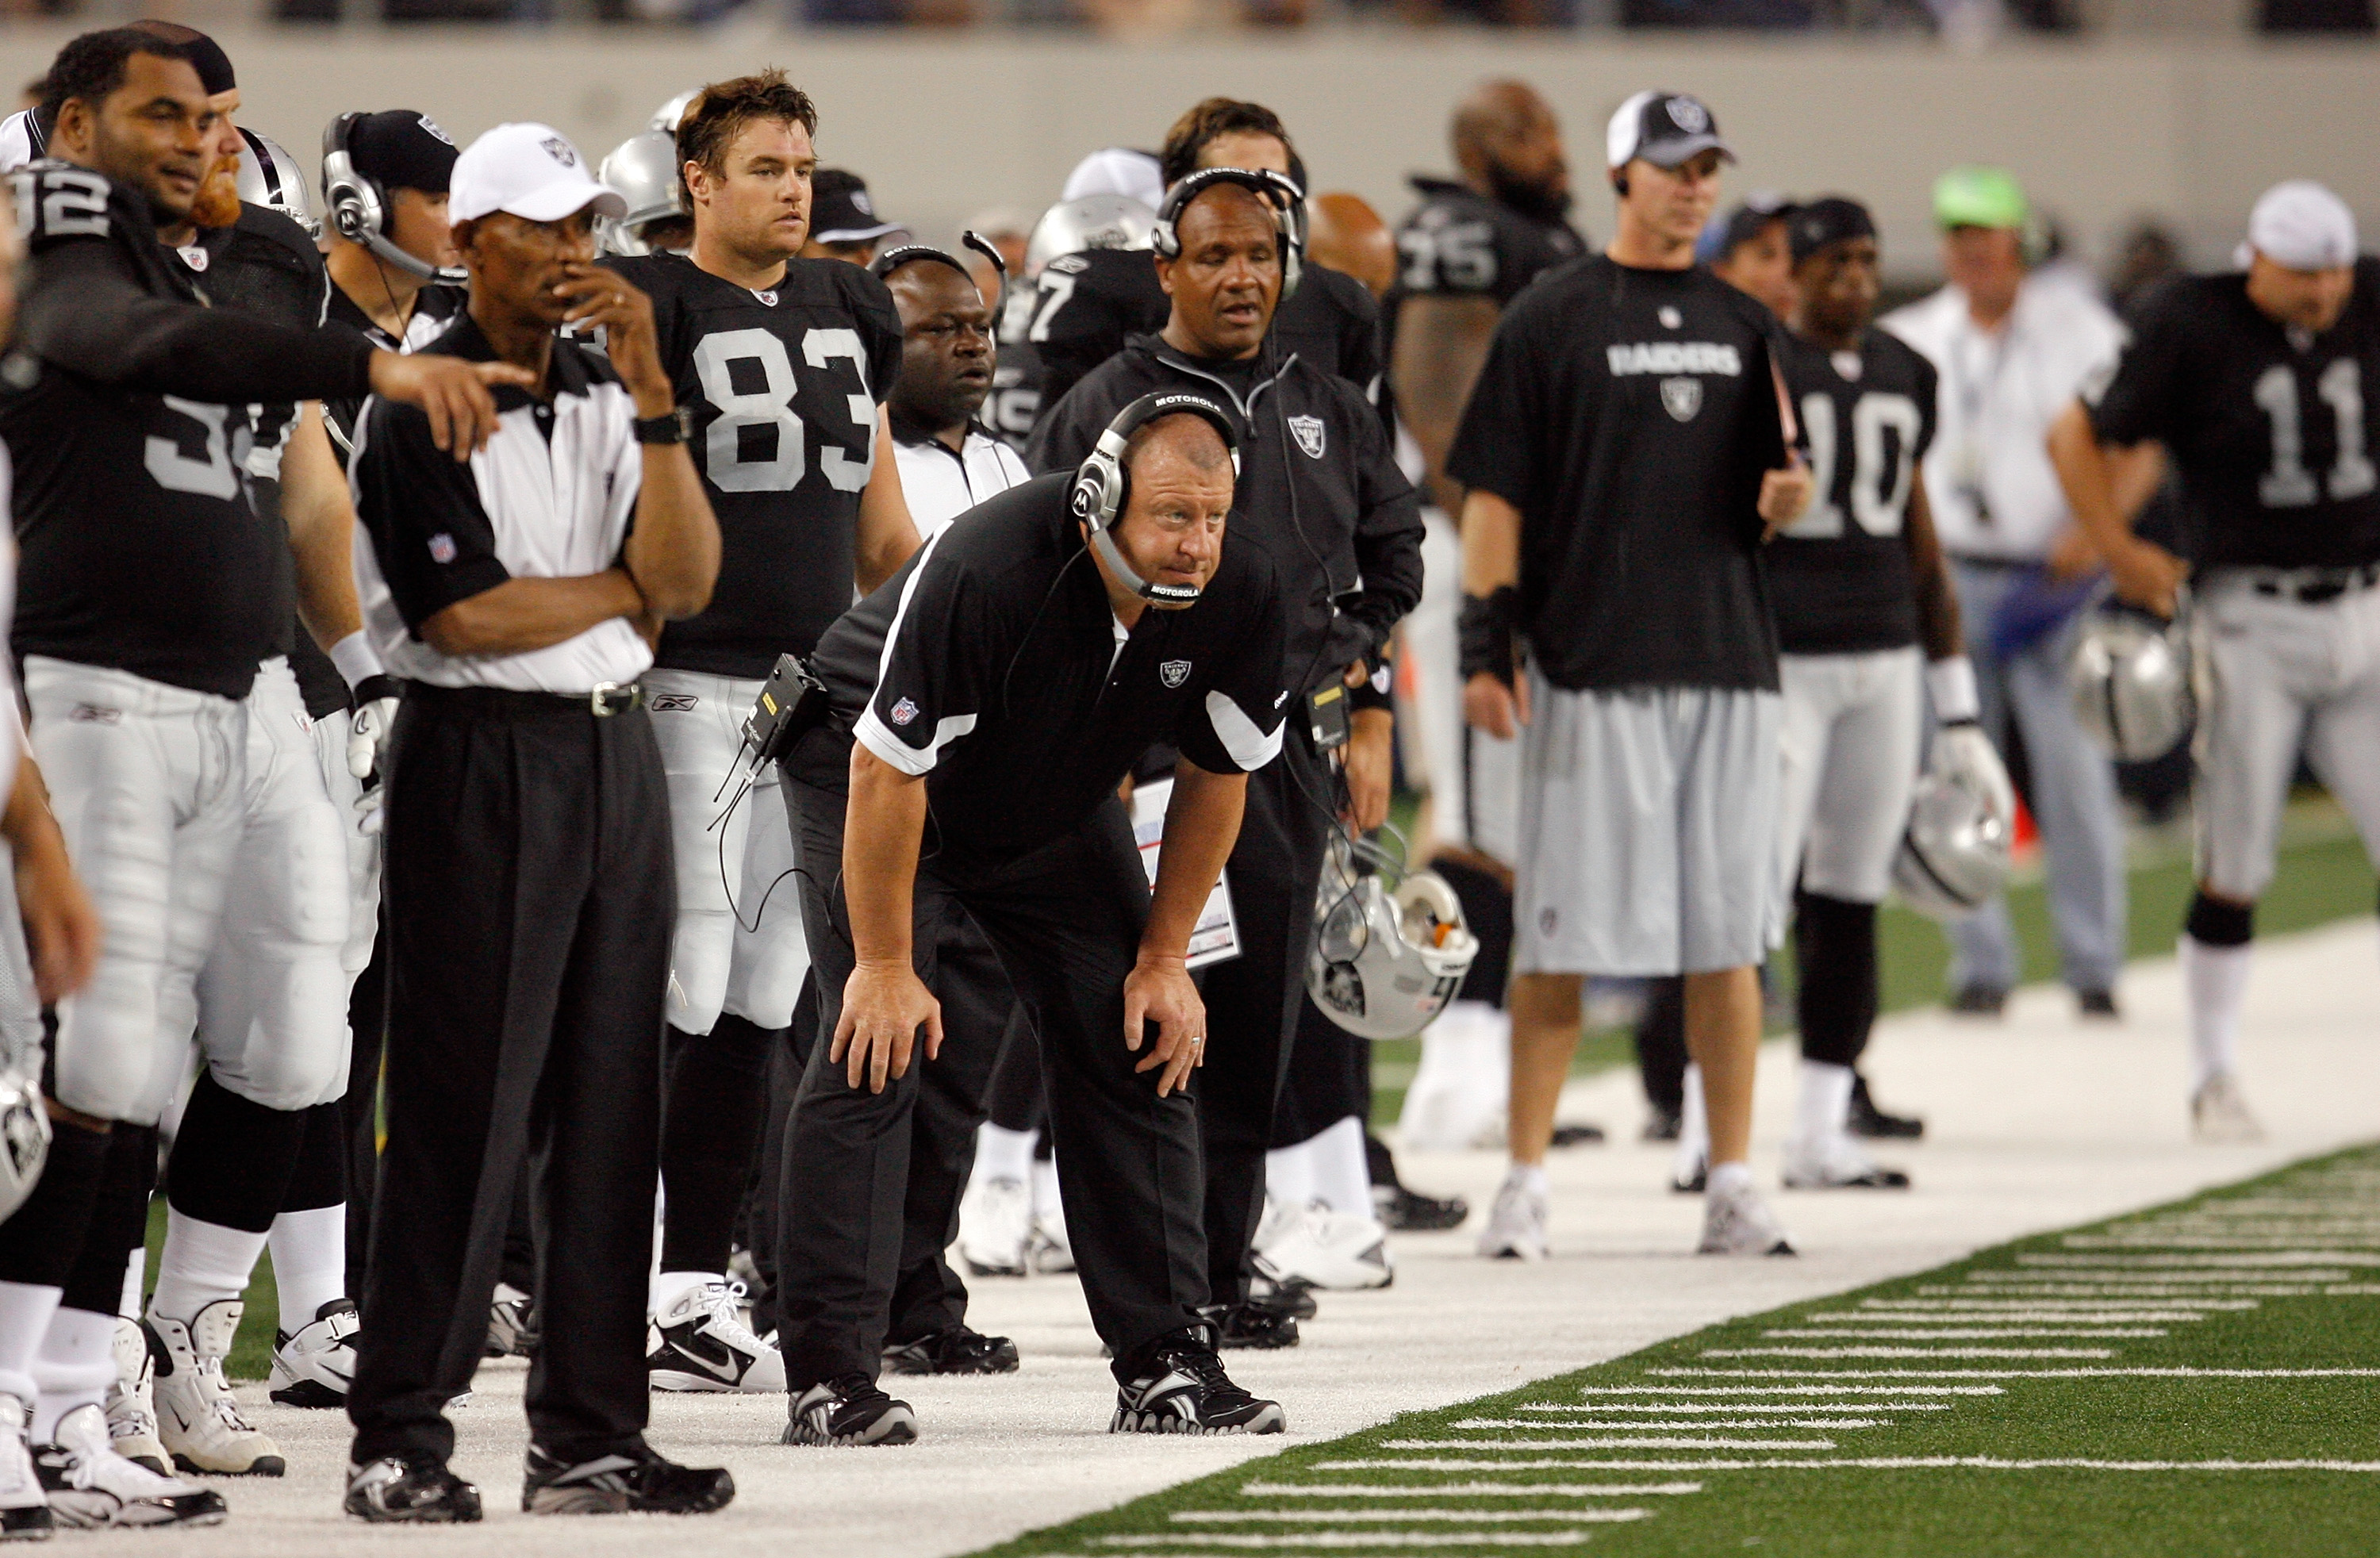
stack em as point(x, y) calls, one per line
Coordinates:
point(942, 127)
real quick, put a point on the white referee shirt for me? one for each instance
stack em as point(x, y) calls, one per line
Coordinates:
point(1993, 490)
point(941, 486)
point(551, 496)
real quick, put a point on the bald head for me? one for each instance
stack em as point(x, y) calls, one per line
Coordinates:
point(1185, 437)
point(1508, 145)
point(1347, 235)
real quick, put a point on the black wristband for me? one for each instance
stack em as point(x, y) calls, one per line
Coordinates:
point(1485, 633)
point(372, 688)
point(1377, 691)
point(671, 427)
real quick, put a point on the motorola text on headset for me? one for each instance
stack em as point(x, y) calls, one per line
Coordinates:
point(1101, 484)
point(359, 211)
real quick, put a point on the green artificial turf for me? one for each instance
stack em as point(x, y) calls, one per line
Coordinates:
point(2329, 1320)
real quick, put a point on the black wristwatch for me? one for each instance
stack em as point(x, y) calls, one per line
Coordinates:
point(675, 427)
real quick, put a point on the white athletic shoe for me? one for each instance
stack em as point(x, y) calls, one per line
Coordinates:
point(89, 1486)
point(1835, 1162)
point(312, 1365)
point(1051, 1252)
point(512, 1325)
point(704, 1345)
point(197, 1418)
point(2219, 1114)
point(1516, 1224)
point(24, 1506)
point(995, 1225)
point(1332, 1250)
point(131, 1400)
point(1739, 1222)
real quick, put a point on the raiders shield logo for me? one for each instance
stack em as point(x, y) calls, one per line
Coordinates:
point(1681, 397)
point(561, 151)
point(1173, 673)
point(1309, 433)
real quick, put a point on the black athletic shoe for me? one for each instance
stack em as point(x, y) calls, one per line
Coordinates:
point(1661, 1124)
point(850, 1410)
point(1182, 1389)
point(1979, 1001)
point(1867, 1120)
point(393, 1491)
point(639, 1482)
point(1578, 1135)
point(1410, 1211)
point(1254, 1325)
point(2098, 1003)
point(1294, 1297)
point(955, 1351)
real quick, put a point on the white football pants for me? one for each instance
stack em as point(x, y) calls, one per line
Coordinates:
point(1850, 741)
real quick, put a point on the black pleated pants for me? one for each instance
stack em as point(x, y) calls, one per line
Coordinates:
point(530, 904)
point(1253, 1000)
point(1063, 922)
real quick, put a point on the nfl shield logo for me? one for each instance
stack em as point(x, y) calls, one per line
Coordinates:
point(1173, 673)
point(904, 712)
point(441, 548)
point(1308, 433)
point(1681, 397)
point(768, 296)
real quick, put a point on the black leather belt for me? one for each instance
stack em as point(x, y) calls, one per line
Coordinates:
point(2313, 587)
point(604, 700)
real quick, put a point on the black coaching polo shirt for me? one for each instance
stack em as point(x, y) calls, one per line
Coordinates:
point(993, 664)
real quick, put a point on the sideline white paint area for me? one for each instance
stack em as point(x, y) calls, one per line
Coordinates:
point(2038, 1122)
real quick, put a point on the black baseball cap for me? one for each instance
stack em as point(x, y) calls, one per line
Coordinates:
point(1752, 216)
point(1665, 128)
point(206, 56)
point(841, 211)
point(1830, 219)
point(398, 149)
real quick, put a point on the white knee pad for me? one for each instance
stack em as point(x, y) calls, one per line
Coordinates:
point(700, 959)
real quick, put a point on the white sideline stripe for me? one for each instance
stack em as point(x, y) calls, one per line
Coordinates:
point(2162, 1276)
point(1978, 1462)
point(2172, 1373)
point(1765, 1422)
point(2281, 1258)
point(2193, 1307)
point(1731, 1406)
point(1909, 1352)
point(1780, 1390)
point(1374, 1516)
point(2123, 1290)
point(1467, 1490)
point(1679, 1442)
point(2004, 1314)
point(1452, 1464)
point(2352, 1290)
point(2216, 1241)
point(1359, 1539)
point(1958, 1333)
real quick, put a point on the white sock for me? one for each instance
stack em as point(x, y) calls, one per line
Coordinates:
point(1047, 1205)
point(1728, 1179)
point(1826, 1103)
point(136, 1272)
point(1343, 1177)
point(1290, 1177)
point(1001, 1154)
point(1693, 1128)
point(309, 1261)
point(202, 1262)
point(25, 1311)
point(1531, 1176)
point(2217, 976)
point(670, 1285)
point(75, 1366)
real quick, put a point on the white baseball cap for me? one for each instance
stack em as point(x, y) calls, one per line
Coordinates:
point(2303, 226)
point(531, 171)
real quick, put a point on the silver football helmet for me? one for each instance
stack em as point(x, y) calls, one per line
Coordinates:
point(665, 118)
point(24, 1141)
point(644, 170)
point(270, 177)
point(2130, 676)
point(1389, 945)
point(1092, 222)
point(1954, 850)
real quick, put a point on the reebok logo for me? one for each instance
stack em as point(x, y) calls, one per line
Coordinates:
point(92, 713)
point(1673, 356)
point(673, 703)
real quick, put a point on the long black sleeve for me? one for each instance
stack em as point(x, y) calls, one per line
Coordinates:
point(1388, 552)
point(87, 312)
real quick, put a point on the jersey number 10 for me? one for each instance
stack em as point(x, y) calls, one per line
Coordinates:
point(2289, 484)
point(1876, 507)
point(771, 406)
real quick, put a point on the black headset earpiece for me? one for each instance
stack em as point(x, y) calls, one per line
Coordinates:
point(1102, 485)
point(892, 260)
point(1288, 202)
point(358, 209)
point(1620, 184)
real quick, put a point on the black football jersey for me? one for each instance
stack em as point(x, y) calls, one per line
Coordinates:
point(2274, 432)
point(1014, 404)
point(1629, 414)
point(435, 308)
point(1460, 243)
point(1839, 576)
point(784, 384)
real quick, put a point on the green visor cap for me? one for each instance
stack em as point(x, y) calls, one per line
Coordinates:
point(1979, 197)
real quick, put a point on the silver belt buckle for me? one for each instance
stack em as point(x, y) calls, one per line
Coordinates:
point(598, 701)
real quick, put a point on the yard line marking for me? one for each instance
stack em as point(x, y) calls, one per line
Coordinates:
point(2353, 1290)
point(2143, 1373)
point(1990, 1312)
point(1680, 1442)
point(2162, 1276)
point(1763, 1422)
point(1909, 1352)
point(1783, 1390)
point(2267, 1261)
point(1982, 1463)
point(1449, 1464)
point(2122, 1290)
point(1389, 1516)
point(1358, 1538)
point(1959, 1333)
point(1467, 1490)
point(2193, 1307)
point(1734, 1407)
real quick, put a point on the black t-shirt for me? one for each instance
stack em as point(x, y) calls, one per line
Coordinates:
point(2274, 436)
point(1089, 304)
point(784, 384)
point(1005, 684)
point(1460, 243)
point(1839, 576)
point(126, 420)
point(1629, 414)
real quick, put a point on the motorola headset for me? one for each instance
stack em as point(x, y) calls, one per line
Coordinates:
point(1101, 484)
point(1287, 200)
point(892, 260)
point(358, 209)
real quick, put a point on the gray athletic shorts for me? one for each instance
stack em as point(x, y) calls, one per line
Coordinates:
point(1648, 831)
